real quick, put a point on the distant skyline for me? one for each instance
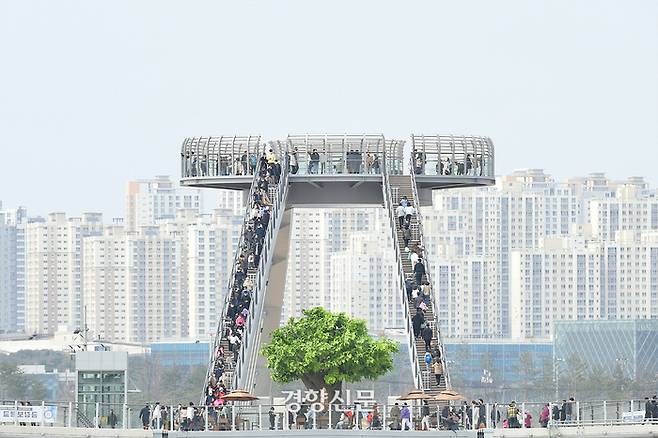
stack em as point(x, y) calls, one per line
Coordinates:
point(95, 94)
point(211, 198)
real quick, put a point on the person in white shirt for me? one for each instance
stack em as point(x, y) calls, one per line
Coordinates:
point(409, 211)
point(400, 212)
point(413, 258)
point(189, 416)
point(157, 416)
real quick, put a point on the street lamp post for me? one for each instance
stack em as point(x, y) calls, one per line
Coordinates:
point(487, 380)
point(556, 363)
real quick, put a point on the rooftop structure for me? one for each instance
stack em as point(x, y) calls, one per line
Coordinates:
point(321, 171)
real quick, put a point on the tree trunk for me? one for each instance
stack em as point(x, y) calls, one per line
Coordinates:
point(315, 381)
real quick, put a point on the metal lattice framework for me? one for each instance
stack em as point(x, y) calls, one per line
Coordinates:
point(218, 156)
point(453, 155)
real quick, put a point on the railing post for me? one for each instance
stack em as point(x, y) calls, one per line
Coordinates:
point(523, 415)
point(329, 417)
point(233, 417)
point(260, 417)
point(605, 411)
point(171, 419)
point(69, 420)
point(315, 419)
point(15, 412)
point(96, 419)
point(384, 417)
point(43, 413)
point(578, 412)
point(205, 418)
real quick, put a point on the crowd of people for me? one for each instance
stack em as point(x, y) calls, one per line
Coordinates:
point(321, 162)
point(470, 165)
point(197, 164)
point(418, 289)
point(185, 418)
point(268, 170)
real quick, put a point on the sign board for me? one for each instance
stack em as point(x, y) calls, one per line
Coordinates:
point(632, 417)
point(27, 414)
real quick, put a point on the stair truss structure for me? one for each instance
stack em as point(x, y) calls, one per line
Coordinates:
point(321, 171)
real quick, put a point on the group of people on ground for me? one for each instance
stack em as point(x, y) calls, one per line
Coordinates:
point(237, 312)
point(651, 408)
point(159, 417)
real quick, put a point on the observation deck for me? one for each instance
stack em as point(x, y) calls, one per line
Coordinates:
point(325, 171)
point(341, 170)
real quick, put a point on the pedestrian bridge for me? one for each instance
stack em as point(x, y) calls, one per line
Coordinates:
point(324, 171)
point(340, 169)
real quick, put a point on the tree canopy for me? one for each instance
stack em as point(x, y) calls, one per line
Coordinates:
point(324, 349)
point(15, 385)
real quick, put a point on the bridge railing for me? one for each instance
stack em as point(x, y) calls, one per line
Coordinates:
point(220, 156)
point(434, 292)
point(452, 155)
point(262, 416)
point(417, 373)
point(259, 283)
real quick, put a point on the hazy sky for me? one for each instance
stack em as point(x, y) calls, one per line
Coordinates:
point(93, 94)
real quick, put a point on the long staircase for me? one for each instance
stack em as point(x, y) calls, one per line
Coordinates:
point(395, 188)
point(239, 374)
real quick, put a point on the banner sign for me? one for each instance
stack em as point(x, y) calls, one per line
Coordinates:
point(317, 400)
point(27, 414)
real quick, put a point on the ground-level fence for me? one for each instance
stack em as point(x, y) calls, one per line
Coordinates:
point(241, 416)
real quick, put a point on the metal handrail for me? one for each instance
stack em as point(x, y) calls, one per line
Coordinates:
point(436, 148)
point(434, 300)
point(386, 189)
point(227, 297)
point(255, 296)
point(261, 280)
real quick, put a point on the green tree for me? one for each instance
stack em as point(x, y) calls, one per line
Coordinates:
point(527, 372)
point(546, 381)
point(458, 364)
point(325, 349)
point(15, 385)
point(576, 375)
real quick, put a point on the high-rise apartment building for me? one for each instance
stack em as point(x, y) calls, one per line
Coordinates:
point(54, 267)
point(212, 243)
point(320, 236)
point(105, 284)
point(631, 209)
point(522, 215)
point(152, 200)
point(162, 282)
point(153, 292)
point(12, 269)
point(364, 279)
point(577, 278)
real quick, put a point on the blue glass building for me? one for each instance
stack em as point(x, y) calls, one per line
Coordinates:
point(629, 347)
point(497, 364)
point(183, 354)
